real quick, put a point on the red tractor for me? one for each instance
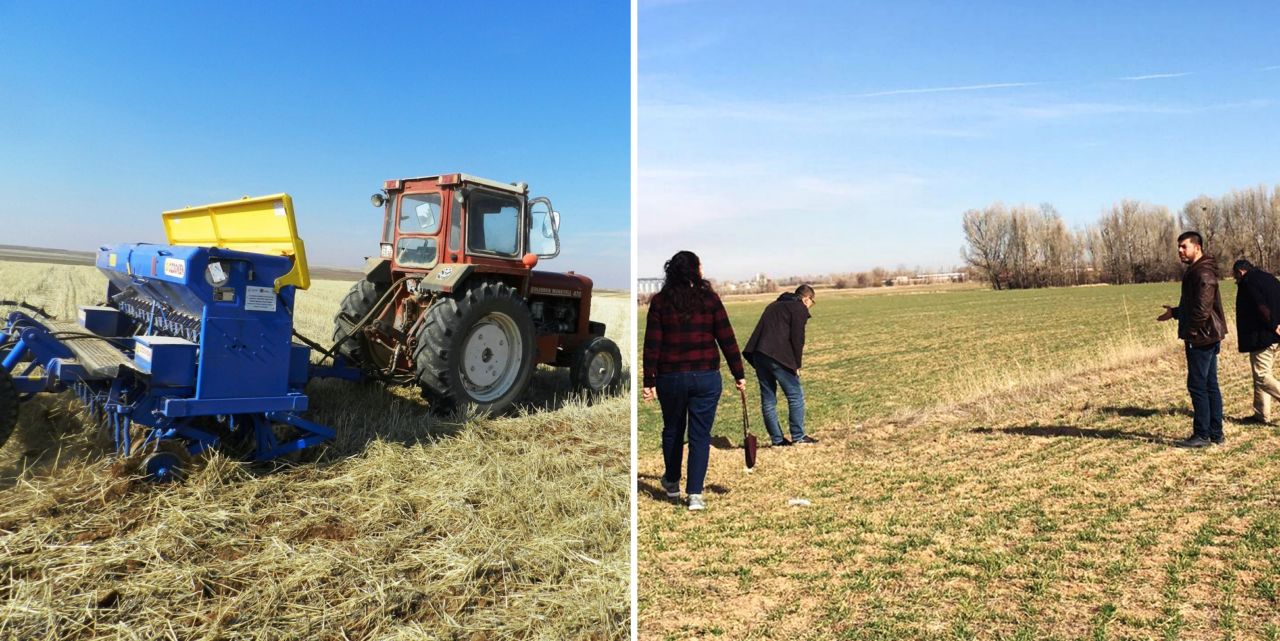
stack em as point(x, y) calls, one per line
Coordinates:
point(453, 304)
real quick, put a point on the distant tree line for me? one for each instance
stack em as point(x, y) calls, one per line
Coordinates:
point(874, 277)
point(1133, 242)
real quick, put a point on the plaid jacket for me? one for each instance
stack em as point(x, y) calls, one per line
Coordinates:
point(672, 344)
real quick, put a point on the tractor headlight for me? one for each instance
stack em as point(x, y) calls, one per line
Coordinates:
point(379, 199)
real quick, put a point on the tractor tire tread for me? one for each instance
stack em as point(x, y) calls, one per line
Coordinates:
point(361, 298)
point(581, 360)
point(443, 328)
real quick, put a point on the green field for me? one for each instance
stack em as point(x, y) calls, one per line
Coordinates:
point(869, 355)
point(993, 465)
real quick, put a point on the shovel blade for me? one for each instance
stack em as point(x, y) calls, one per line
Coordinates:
point(749, 447)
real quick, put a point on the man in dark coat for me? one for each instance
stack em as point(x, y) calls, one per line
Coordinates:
point(1202, 325)
point(1257, 317)
point(774, 350)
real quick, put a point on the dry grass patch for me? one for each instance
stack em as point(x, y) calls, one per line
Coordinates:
point(408, 526)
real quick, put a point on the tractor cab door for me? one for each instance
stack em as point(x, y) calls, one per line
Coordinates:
point(544, 228)
point(418, 221)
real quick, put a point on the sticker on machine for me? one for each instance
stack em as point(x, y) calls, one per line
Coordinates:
point(175, 267)
point(259, 299)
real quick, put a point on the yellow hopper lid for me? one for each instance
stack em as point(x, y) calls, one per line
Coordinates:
point(262, 225)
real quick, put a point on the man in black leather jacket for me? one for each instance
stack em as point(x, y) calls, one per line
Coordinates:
point(1202, 325)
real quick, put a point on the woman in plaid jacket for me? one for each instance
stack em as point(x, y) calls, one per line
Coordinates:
point(686, 323)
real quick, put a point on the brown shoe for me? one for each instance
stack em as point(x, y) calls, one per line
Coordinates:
point(1256, 419)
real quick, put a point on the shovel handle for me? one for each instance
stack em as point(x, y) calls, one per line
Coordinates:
point(743, 393)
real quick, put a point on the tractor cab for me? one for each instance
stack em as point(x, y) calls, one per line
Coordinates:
point(461, 219)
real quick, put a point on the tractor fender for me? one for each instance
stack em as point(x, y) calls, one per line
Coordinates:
point(446, 277)
point(377, 270)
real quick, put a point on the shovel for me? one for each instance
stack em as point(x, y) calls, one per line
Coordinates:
point(749, 444)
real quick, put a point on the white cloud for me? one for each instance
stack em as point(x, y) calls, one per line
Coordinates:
point(794, 184)
point(1157, 76)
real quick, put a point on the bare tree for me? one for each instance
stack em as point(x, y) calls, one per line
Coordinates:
point(1132, 242)
point(987, 238)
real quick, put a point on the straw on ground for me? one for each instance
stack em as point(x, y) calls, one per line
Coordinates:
point(409, 526)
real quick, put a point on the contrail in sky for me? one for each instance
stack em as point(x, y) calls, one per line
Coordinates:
point(998, 85)
point(1157, 76)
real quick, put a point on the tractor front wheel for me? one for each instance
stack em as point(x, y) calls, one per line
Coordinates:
point(477, 349)
point(357, 304)
point(8, 406)
point(596, 366)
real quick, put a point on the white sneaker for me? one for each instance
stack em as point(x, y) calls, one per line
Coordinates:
point(695, 502)
point(672, 489)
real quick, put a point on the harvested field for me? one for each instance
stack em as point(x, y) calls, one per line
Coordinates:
point(992, 465)
point(409, 526)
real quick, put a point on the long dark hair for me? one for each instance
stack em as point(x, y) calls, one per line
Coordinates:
point(684, 288)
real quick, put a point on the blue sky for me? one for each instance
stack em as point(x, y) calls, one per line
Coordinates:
point(113, 112)
point(814, 137)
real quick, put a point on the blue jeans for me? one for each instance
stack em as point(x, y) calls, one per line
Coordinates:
point(688, 401)
point(1202, 383)
point(771, 374)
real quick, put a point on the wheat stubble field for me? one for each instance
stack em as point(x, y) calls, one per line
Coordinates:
point(410, 526)
point(992, 465)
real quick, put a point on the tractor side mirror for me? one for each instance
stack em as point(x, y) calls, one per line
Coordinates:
point(544, 228)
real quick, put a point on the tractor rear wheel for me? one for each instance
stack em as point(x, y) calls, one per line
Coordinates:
point(596, 366)
point(8, 406)
point(477, 349)
point(357, 304)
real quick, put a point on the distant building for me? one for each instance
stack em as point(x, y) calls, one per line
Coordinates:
point(648, 286)
point(926, 279)
point(760, 283)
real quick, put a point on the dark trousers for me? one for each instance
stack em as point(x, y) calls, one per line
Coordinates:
point(1202, 383)
point(771, 374)
point(688, 401)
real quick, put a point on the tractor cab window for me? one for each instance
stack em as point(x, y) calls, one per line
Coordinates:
point(420, 213)
point(416, 252)
point(493, 224)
